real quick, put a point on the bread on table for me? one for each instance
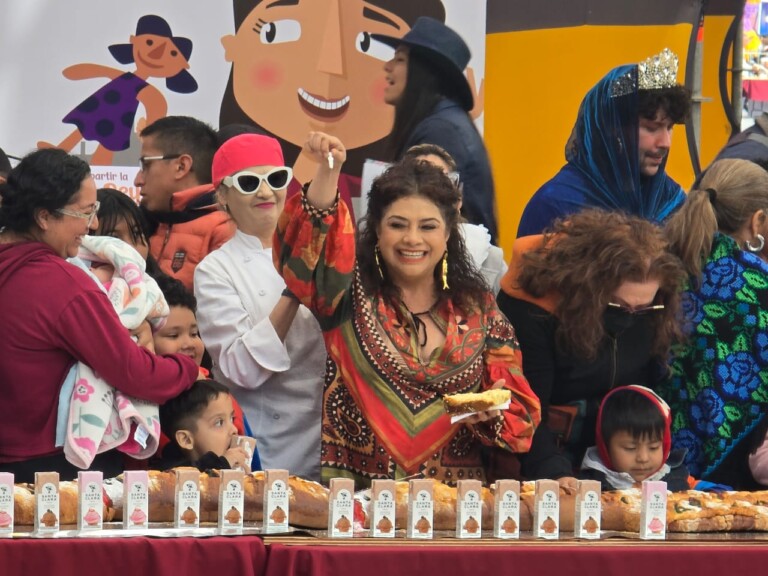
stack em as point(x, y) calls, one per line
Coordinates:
point(689, 511)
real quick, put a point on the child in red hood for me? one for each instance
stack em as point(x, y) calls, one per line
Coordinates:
point(634, 442)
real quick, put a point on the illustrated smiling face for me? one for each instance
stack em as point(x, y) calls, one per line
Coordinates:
point(157, 56)
point(308, 65)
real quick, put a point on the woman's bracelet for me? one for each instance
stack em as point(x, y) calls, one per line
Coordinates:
point(288, 294)
point(317, 212)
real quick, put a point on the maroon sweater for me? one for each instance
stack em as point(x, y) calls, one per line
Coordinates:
point(51, 316)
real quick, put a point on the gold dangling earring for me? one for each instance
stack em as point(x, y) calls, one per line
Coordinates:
point(445, 270)
point(378, 264)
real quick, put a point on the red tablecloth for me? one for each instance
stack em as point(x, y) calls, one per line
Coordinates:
point(248, 556)
point(241, 556)
point(755, 90)
point(549, 558)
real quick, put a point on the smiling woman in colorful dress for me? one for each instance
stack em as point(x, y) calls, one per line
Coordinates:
point(406, 319)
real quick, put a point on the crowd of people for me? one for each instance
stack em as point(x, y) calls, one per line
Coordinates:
point(630, 325)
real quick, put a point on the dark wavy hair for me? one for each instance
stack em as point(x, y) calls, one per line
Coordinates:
point(467, 288)
point(43, 180)
point(586, 258)
point(186, 135)
point(675, 101)
point(231, 113)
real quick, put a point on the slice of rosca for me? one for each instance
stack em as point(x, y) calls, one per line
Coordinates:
point(470, 402)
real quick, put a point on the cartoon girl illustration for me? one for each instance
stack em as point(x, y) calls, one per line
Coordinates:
point(302, 65)
point(107, 116)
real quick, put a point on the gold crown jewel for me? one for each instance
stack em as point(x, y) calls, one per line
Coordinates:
point(659, 71)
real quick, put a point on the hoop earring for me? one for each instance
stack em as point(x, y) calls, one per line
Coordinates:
point(445, 270)
point(378, 263)
point(760, 244)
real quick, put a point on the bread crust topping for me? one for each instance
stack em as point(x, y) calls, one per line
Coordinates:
point(456, 404)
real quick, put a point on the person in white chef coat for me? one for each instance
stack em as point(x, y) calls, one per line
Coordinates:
point(266, 347)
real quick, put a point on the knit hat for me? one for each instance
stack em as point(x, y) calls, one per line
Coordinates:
point(663, 407)
point(245, 151)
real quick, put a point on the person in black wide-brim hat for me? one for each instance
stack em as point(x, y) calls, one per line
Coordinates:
point(432, 100)
point(443, 49)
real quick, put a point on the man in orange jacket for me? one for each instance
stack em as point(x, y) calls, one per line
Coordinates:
point(177, 195)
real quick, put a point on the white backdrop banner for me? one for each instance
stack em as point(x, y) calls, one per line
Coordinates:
point(86, 76)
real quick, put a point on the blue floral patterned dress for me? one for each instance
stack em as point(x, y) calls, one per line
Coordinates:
point(719, 386)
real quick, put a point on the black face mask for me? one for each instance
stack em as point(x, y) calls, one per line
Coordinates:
point(616, 320)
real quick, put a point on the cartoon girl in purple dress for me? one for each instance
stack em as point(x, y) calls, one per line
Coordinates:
point(107, 116)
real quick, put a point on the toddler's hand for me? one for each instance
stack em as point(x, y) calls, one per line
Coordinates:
point(236, 457)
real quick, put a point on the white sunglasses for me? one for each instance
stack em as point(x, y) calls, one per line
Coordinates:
point(247, 182)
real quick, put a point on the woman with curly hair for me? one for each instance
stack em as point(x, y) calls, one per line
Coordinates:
point(719, 386)
point(594, 304)
point(406, 319)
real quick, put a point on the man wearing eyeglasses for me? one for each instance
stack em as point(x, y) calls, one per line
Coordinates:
point(176, 193)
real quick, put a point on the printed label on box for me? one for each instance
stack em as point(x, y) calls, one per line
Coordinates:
point(231, 502)
point(90, 501)
point(507, 509)
point(469, 509)
point(587, 517)
point(47, 502)
point(383, 509)
point(187, 499)
point(135, 500)
point(276, 504)
point(6, 503)
point(421, 514)
point(547, 510)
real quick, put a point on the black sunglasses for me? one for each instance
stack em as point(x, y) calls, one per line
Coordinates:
point(635, 311)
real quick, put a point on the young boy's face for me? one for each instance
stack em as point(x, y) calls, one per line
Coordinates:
point(180, 335)
point(639, 457)
point(214, 428)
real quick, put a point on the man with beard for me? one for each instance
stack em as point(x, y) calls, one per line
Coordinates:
point(618, 148)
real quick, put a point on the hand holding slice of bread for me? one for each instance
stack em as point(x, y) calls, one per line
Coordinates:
point(472, 402)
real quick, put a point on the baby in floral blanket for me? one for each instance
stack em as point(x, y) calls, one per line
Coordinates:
point(93, 417)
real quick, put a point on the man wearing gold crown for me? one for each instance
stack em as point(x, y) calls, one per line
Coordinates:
point(618, 148)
